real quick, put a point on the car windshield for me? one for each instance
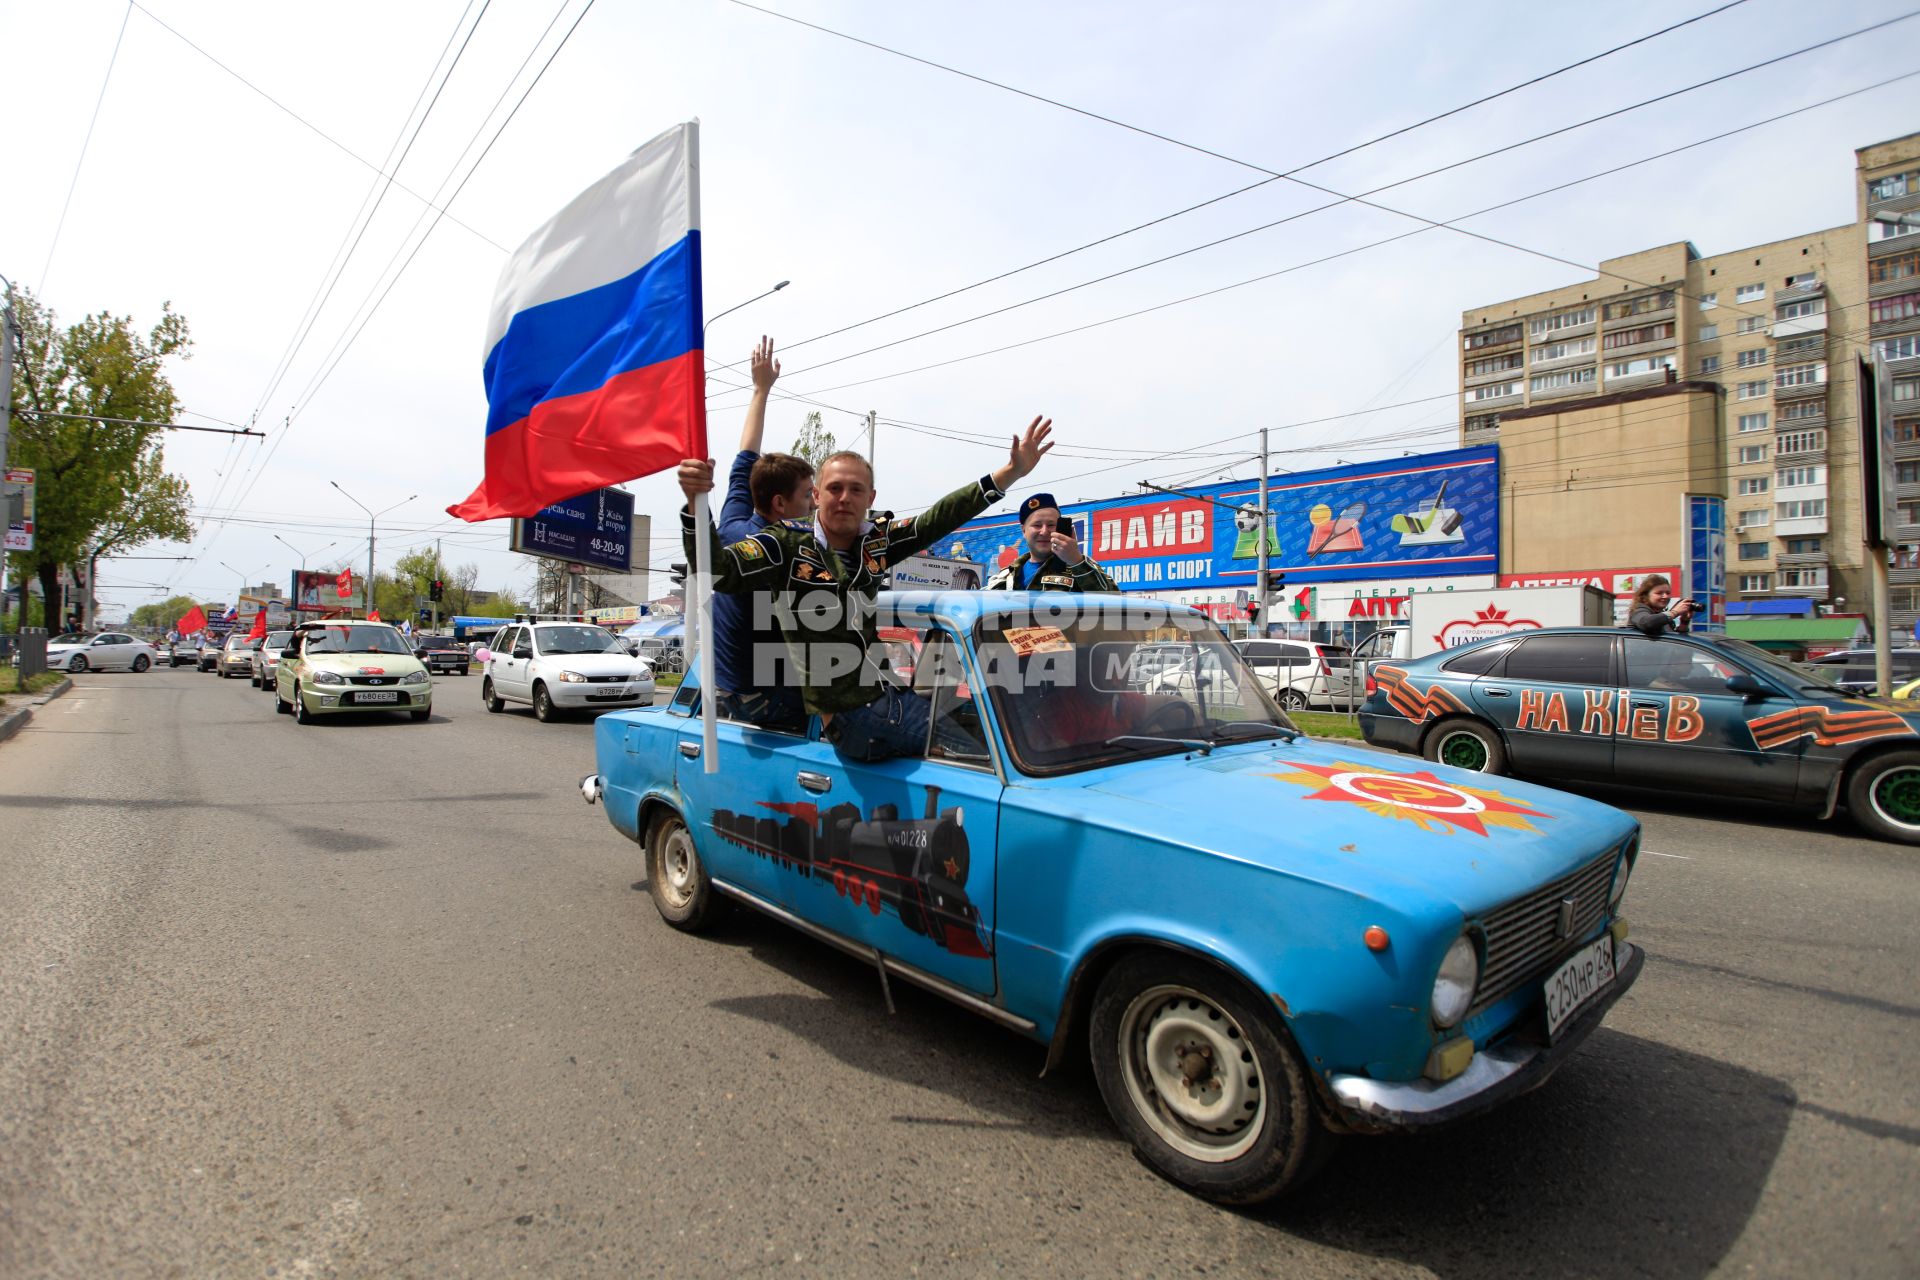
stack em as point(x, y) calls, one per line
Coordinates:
point(278, 639)
point(359, 637)
point(237, 642)
point(71, 637)
point(1771, 665)
point(553, 641)
point(1119, 683)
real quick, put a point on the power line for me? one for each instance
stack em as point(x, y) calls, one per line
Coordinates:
point(87, 142)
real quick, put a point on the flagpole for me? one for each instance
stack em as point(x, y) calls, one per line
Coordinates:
point(702, 630)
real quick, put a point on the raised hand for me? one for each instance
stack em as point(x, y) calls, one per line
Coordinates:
point(764, 367)
point(1029, 447)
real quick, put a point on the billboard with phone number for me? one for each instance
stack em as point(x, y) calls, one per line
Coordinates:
point(1435, 515)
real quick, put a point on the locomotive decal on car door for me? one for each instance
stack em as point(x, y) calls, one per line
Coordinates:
point(915, 868)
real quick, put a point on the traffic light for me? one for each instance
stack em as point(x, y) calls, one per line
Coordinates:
point(679, 575)
point(1272, 587)
point(437, 590)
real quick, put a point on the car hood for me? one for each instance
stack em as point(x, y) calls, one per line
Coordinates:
point(1343, 814)
point(350, 664)
point(597, 664)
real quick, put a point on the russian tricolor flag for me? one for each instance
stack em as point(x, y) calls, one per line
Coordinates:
point(594, 368)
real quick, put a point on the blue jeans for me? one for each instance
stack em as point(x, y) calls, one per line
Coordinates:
point(767, 708)
point(895, 724)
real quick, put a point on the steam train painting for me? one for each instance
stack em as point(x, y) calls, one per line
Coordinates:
point(914, 867)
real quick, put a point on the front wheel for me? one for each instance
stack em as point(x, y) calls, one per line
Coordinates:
point(141, 662)
point(1201, 1078)
point(300, 713)
point(492, 701)
point(78, 663)
point(1465, 744)
point(542, 704)
point(676, 878)
point(420, 713)
point(1883, 795)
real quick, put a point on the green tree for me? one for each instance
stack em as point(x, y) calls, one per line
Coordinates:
point(160, 617)
point(815, 442)
point(100, 485)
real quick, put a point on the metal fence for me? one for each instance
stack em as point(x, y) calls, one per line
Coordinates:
point(27, 651)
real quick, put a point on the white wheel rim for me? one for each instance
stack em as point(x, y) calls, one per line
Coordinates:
point(678, 864)
point(1191, 1073)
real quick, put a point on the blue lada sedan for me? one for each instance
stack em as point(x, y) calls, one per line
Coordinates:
point(1261, 940)
point(1695, 714)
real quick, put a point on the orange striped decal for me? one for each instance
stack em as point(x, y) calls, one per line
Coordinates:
point(1412, 703)
point(1826, 728)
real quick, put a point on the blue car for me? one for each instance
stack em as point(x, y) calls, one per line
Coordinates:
point(1261, 940)
point(1692, 714)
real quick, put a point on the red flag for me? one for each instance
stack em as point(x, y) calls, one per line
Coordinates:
point(344, 583)
point(373, 615)
point(259, 631)
point(191, 621)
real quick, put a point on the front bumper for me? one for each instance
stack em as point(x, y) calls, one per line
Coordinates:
point(576, 697)
point(1495, 1075)
point(325, 699)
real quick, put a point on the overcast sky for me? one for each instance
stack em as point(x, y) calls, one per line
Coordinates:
point(873, 183)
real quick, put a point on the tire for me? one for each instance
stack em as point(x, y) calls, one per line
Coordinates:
point(140, 663)
point(77, 663)
point(676, 878)
point(1292, 700)
point(1465, 744)
point(1883, 795)
point(420, 714)
point(279, 708)
point(300, 713)
point(543, 709)
point(1202, 1078)
point(488, 700)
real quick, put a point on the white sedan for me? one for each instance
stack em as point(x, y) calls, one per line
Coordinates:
point(108, 651)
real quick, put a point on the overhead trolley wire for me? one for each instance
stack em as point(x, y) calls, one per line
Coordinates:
point(112, 61)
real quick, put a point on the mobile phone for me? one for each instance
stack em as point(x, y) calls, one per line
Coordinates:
point(1065, 527)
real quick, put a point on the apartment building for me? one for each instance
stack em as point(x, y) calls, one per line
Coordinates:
point(1773, 332)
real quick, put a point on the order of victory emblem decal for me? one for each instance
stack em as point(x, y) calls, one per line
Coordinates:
point(1420, 798)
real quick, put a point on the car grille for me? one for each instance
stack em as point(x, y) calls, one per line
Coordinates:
point(1523, 936)
point(373, 679)
point(608, 679)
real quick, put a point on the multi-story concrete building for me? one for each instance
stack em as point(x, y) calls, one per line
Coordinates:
point(1773, 332)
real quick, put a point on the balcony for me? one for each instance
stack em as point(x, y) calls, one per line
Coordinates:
point(1815, 323)
point(1801, 559)
point(1802, 527)
point(1485, 403)
point(1474, 435)
point(1483, 379)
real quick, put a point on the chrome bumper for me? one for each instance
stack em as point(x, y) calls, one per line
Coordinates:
point(590, 788)
point(1493, 1076)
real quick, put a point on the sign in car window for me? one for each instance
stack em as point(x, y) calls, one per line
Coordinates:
point(593, 529)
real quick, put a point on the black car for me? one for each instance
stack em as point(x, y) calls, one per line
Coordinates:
point(1853, 670)
point(442, 653)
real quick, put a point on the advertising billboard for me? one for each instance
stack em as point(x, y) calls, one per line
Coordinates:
point(594, 529)
point(1435, 515)
point(316, 594)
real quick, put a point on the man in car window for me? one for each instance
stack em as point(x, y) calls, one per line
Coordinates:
point(824, 580)
point(1053, 560)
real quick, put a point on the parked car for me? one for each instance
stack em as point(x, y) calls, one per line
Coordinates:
point(442, 653)
point(266, 659)
point(1692, 714)
point(1260, 939)
point(106, 651)
point(1304, 673)
point(236, 656)
point(563, 666)
point(1854, 671)
point(350, 665)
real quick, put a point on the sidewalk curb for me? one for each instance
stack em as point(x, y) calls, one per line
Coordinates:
point(12, 722)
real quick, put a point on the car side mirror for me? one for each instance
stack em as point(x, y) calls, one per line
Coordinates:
point(523, 651)
point(1749, 687)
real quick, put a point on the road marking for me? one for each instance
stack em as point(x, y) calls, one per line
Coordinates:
point(74, 706)
point(1657, 854)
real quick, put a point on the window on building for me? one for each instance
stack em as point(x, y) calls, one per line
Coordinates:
point(1906, 432)
point(1708, 333)
point(1894, 185)
point(1753, 422)
point(1752, 485)
point(1750, 292)
point(1494, 364)
point(1800, 441)
point(1756, 582)
point(1906, 388)
point(1634, 337)
point(1709, 364)
point(1755, 519)
point(1750, 324)
point(1803, 410)
point(1563, 350)
point(1493, 337)
point(1802, 278)
point(1804, 546)
point(1800, 375)
point(1905, 599)
point(1877, 230)
point(1804, 509)
point(1788, 477)
point(1480, 422)
point(1905, 555)
point(1562, 380)
point(1643, 365)
point(1753, 551)
point(1753, 453)
point(1895, 266)
point(1812, 346)
point(1903, 348)
point(1645, 304)
point(1909, 511)
point(1748, 359)
point(1708, 301)
point(1903, 306)
point(1794, 310)
point(1810, 576)
point(1752, 390)
point(1493, 391)
point(1906, 473)
point(1559, 320)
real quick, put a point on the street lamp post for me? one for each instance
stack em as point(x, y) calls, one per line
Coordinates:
point(755, 298)
point(372, 517)
point(304, 555)
point(242, 589)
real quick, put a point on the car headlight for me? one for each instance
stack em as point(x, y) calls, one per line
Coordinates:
point(1622, 871)
point(572, 677)
point(414, 677)
point(1459, 977)
point(327, 677)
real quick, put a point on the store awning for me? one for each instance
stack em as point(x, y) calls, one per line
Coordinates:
point(1789, 607)
point(1793, 631)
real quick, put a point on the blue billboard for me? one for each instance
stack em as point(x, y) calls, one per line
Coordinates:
point(593, 529)
point(1435, 515)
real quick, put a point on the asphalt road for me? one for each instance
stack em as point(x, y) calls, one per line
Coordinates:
point(386, 998)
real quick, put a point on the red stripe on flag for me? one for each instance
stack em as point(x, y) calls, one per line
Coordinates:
point(637, 424)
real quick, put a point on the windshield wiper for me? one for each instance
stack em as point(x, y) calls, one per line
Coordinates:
point(1256, 729)
point(1201, 745)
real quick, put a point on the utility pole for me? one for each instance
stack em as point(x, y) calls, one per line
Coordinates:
point(440, 576)
point(1260, 572)
point(6, 434)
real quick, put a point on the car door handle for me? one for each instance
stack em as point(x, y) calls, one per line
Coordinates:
point(1651, 706)
point(814, 782)
point(1498, 693)
point(691, 750)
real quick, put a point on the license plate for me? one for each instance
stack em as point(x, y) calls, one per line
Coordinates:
point(384, 696)
point(608, 693)
point(1580, 979)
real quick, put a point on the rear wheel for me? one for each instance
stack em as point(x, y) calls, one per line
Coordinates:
point(676, 878)
point(489, 698)
point(1292, 700)
point(1202, 1079)
point(280, 708)
point(141, 662)
point(1883, 795)
point(1465, 744)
